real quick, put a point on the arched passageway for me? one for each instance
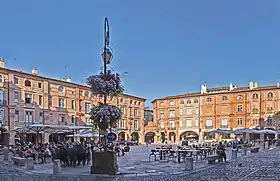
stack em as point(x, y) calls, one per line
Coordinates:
point(189, 135)
point(172, 137)
point(121, 136)
point(149, 137)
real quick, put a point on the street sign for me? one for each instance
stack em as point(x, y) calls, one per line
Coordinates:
point(111, 136)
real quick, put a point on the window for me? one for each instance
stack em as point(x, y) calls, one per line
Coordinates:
point(51, 117)
point(27, 83)
point(122, 123)
point(196, 122)
point(16, 118)
point(40, 100)
point(28, 98)
point(239, 108)
point(39, 85)
point(87, 93)
point(50, 100)
point(123, 110)
point(224, 123)
point(181, 112)
point(255, 107)
point(269, 105)
point(17, 96)
point(61, 103)
point(189, 101)
point(182, 124)
point(136, 126)
point(15, 80)
point(81, 93)
point(197, 111)
point(269, 121)
point(162, 124)
point(136, 112)
point(41, 117)
point(239, 97)
point(270, 95)
point(189, 111)
point(1, 78)
point(171, 113)
point(73, 119)
point(209, 99)
point(182, 102)
point(61, 89)
point(87, 107)
point(224, 98)
point(161, 114)
point(189, 123)
point(139, 103)
point(255, 122)
point(62, 118)
point(73, 105)
point(121, 99)
point(239, 122)
point(209, 124)
point(172, 124)
point(161, 104)
point(171, 103)
point(255, 96)
point(195, 101)
point(28, 116)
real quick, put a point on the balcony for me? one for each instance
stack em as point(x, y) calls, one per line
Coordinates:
point(208, 127)
point(224, 126)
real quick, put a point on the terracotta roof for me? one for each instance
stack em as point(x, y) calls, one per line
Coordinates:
point(61, 81)
point(223, 88)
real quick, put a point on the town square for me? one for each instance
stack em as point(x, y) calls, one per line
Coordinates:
point(141, 91)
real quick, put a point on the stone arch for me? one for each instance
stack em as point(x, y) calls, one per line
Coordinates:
point(121, 136)
point(135, 136)
point(162, 137)
point(172, 137)
point(149, 137)
point(188, 135)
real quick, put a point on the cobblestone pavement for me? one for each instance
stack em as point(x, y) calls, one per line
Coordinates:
point(261, 166)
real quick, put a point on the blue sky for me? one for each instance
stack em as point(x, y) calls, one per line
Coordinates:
point(167, 47)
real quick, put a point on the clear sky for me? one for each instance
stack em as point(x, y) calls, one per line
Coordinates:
point(166, 46)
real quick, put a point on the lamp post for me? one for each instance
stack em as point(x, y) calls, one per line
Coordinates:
point(106, 54)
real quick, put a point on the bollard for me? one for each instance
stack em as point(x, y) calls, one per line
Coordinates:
point(29, 164)
point(6, 154)
point(234, 153)
point(263, 145)
point(56, 167)
point(267, 145)
point(189, 163)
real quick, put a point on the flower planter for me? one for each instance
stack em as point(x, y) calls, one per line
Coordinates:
point(104, 163)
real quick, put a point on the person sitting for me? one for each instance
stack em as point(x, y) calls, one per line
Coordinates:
point(221, 152)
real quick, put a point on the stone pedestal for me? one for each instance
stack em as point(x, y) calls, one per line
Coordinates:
point(6, 154)
point(104, 163)
point(234, 154)
point(56, 167)
point(29, 165)
point(189, 163)
point(266, 145)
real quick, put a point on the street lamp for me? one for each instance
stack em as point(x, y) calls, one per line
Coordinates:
point(107, 56)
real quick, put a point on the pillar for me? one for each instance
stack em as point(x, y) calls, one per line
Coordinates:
point(12, 138)
point(262, 137)
point(56, 167)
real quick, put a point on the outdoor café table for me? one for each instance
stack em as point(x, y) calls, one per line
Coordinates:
point(180, 153)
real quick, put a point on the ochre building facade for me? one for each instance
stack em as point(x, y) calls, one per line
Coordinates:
point(192, 115)
point(28, 98)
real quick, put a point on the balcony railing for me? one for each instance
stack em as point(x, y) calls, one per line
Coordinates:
point(208, 127)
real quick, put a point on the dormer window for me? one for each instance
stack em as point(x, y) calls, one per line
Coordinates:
point(209, 99)
point(189, 101)
point(270, 95)
point(182, 102)
point(27, 83)
point(61, 89)
point(87, 93)
point(195, 101)
point(255, 96)
point(171, 103)
point(224, 98)
point(239, 97)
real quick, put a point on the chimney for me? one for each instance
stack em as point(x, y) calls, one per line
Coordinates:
point(2, 63)
point(34, 71)
point(203, 89)
point(231, 87)
point(251, 85)
point(278, 85)
point(68, 80)
point(256, 85)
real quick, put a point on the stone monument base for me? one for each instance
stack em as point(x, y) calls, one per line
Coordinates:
point(104, 163)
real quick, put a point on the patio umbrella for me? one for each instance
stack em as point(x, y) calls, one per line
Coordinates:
point(267, 131)
point(37, 128)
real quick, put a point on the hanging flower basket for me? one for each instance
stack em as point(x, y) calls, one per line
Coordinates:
point(105, 115)
point(109, 84)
